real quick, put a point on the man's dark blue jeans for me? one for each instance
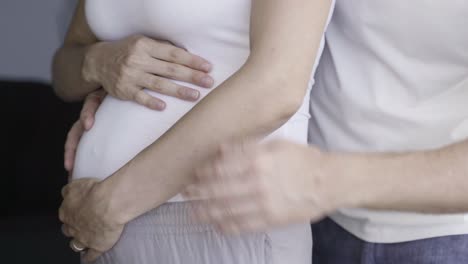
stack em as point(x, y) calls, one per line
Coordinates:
point(334, 245)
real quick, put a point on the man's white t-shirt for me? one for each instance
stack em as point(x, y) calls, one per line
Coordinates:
point(393, 78)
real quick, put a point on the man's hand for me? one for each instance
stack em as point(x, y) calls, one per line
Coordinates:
point(88, 218)
point(86, 121)
point(254, 187)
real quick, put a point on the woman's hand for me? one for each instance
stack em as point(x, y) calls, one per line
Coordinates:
point(88, 218)
point(254, 187)
point(124, 68)
point(86, 121)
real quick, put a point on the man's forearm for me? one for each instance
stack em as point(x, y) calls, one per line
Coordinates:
point(434, 181)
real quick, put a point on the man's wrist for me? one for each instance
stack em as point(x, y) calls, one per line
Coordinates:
point(325, 188)
point(349, 181)
point(373, 178)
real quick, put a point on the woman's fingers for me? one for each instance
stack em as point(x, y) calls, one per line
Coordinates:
point(67, 230)
point(122, 66)
point(167, 87)
point(91, 255)
point(143, 98)
point(77, 246)
point(178, 72)
point(171, 53)
point(90, 106)
point(86, 121)
point(71, 144)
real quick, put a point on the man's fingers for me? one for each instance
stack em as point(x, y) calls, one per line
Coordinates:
point(243, 223)
point(91, 255)
point(238, 147)
point(171, 53)
point(231, 188)
point(90, 106)
point(141, 97)
point(167, 87)
point(219, 211)
point(225, 166)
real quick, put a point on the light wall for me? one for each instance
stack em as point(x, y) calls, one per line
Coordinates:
point(30, 32)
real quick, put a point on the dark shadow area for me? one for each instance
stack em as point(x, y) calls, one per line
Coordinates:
point(34, 127)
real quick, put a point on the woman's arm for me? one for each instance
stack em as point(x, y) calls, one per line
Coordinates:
point(67, 66)
point(123, 68)
point(262, 95)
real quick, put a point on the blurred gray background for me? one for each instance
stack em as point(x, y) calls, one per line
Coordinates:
point(35, 123)
point(30, 32)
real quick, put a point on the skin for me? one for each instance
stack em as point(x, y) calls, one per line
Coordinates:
point(287, 183)
point(255, 101)
point(85, 123)
point(249, 187)
point(250, 170)
point(124, 68)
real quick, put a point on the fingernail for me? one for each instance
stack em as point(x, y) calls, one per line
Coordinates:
point(158, 105)
point(192, 94)
point(206, 67)
point(207, 81)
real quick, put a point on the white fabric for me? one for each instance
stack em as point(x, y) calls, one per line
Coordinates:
point(216, 31)
point(393, 77)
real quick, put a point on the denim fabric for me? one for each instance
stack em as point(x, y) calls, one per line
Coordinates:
point(334, 245)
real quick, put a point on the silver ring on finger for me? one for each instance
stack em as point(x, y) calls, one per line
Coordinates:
point(76, 248)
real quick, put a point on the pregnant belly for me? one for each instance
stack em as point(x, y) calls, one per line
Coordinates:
point(121, 130)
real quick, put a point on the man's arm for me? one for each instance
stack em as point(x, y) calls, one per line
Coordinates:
point(289, 183)
point(260, 97)
point(434, 181)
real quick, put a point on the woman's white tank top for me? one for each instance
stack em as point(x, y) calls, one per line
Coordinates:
point(215, 30)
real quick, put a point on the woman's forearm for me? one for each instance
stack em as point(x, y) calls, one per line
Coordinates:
point(68, 67)
point(434, 181)
point(166, 167)
point(285, 39)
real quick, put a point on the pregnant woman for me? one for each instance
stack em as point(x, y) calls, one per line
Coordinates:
point(262, 54)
